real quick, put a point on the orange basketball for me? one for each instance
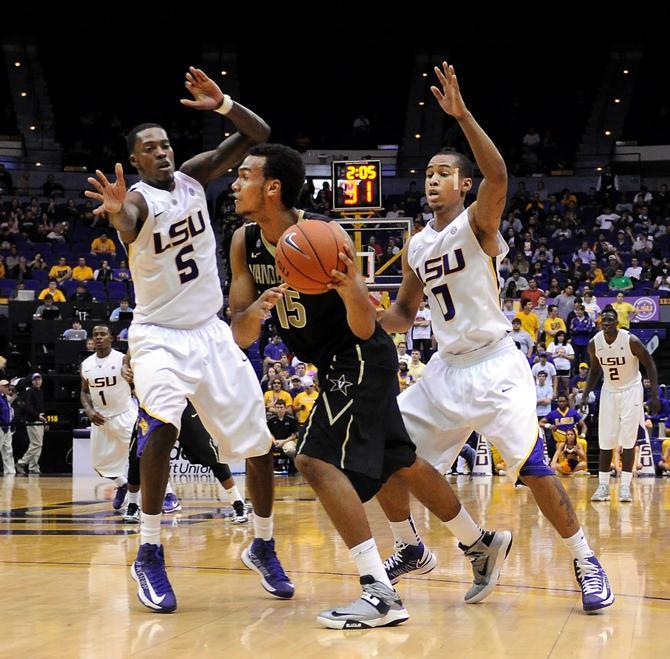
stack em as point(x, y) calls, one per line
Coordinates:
point(307, 252)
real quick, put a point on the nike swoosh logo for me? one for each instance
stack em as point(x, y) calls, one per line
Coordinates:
point(194, 416)
point(508, 388)
point(154, 597)
point(255, 255)
point(157, 214)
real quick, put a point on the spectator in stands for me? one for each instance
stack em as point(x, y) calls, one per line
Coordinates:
point(508, 308)
point(542, 364)
point(662, 282)
point(6, 182)
point(6, 415)
point(82, 271)
point(532, 294)
point(374, 246)
point(582, 329)
point(124, 306)
point(284, 429)
point(577, 386)
point(58, 235)
point(12, 258)
point(266, 380)
point(569, 457)
point(520, 263)
point(81, 295)
point(52, 187)
point(563, 355)
point(274, 350)
point(45, 226)
point(625, 311)
point(21, 270)
point(35, 421)
point(416, 367)
point(305, 400)
point(541, 312)
point(122, 273)
point(104, 273)
point(103, 245)
point(422, 331)
point(61, 271)
point(528, 319)
point(523, 339)
point(123, 335)
point(565, 302)
point(404, 378)
point(75, 333)
point(585, 253)
point(554, 288)
point(402, 353)
point(544, 393)
point(620, 282)
point(531, 140)
point(590, 304)
point(52, 290)
point(3, 272)
point(595, 273)
point(295, 387)
point(276, 392)
point(634, 270)
point(515, 284)
point(606, 220)
point(38, 263)
point(48, 304)
point(643, 197)
point(553, 325)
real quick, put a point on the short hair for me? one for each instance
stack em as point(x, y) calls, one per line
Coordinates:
point(105, 327)
point(285, 164)
point(280, 401)
point(551, 307)
point(465, 167)
point(542, 373)
point(131, 137)
point(610, 309)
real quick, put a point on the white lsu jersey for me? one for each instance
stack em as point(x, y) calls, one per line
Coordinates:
point(621, 368)
point(462, 285)
point(110, 393)
point(173, 259)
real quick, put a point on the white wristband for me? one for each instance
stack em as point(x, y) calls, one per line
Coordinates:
point(226, 105)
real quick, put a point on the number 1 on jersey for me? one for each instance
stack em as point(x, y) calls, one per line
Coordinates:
point(102, 396)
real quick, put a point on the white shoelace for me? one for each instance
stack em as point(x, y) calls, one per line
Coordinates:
point(590, 575)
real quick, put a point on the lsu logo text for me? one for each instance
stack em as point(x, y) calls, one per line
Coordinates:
point(180, 232)
point(440, 266)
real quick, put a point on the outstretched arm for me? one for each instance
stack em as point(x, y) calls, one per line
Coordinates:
point(125, 210)
point(251, 129)
point(486, 212)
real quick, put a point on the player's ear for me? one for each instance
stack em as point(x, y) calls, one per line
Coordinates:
point(133, 160)
point(273, 187)
point(466, 185)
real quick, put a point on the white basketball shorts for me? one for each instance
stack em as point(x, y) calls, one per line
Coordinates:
point(621, 417)
point(491, 391)
point(110, 443)
point(205, 366)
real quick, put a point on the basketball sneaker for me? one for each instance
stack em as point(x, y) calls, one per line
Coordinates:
point(171, 503)
point(409, 558)
point(154, 591)
point(132, 514)
point(487, 556)
point(260, 556)
point(596, 591)
point(378, 606)
point(602, 493)
point(625, 495)
point(239, 513)
point(120, 497)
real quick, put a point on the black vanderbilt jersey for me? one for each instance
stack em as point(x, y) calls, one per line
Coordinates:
point(314, 327)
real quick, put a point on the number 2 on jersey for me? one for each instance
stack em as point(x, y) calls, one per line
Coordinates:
point(614, 373)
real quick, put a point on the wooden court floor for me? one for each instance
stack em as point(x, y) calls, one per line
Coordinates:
point(65, 590)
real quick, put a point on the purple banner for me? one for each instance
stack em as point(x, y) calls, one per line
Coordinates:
point(646, 306)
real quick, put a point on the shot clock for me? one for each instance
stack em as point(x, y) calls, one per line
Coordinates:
point(357, 185)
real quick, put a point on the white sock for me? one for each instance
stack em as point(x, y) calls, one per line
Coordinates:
point(464, 528)
point(168, 488)
point(626, 478)
point(120, 481)
point(604, 477)
point(578, 545)
point(233, 494)
point(368, 561)
point(150, 529)
point(133, 497)
point(263, 527)
point(405, 531)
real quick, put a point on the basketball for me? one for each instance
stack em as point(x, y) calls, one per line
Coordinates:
point(307, 252)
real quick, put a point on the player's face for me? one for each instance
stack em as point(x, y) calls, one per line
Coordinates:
point(444, 185)
point(608, 323)
point(250, 187)
point(153, 156)
point(102, 339)
point(562, 402)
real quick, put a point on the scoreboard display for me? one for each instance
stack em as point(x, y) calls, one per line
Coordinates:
point(357, 185)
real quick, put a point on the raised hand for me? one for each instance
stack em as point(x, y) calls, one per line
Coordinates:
point(110, 195)
point(449, 97)
point(207, 94)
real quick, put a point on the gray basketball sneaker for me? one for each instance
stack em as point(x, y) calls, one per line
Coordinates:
point(602, 493)
point(378, 606)
point(625, 495)
point(487, 556)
